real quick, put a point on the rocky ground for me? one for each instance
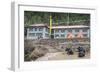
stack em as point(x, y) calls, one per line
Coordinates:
point(44, 50)
point(61, 56)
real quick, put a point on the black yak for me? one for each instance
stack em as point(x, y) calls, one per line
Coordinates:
point(69, 51)
point(81, 52)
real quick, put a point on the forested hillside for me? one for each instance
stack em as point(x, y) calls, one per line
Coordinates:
point(31, 17)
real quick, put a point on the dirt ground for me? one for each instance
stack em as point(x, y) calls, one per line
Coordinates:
point(61, 56)
point(44, 50)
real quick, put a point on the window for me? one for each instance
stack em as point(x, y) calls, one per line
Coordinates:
point(39, 34)
point(69, 30)
point(62, 30)
point(35, 29)
point(56, 30)
point(40, 29)
point(46, 35)
point(30, 29)
point(31, 34)
point(56, 35)
point(62, 35)
point(84, 30)
point(47, 30)
point(76, 30)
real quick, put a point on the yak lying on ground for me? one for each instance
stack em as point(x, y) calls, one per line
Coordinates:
point(69, 51)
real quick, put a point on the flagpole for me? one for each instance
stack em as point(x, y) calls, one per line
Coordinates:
point(50, 25)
